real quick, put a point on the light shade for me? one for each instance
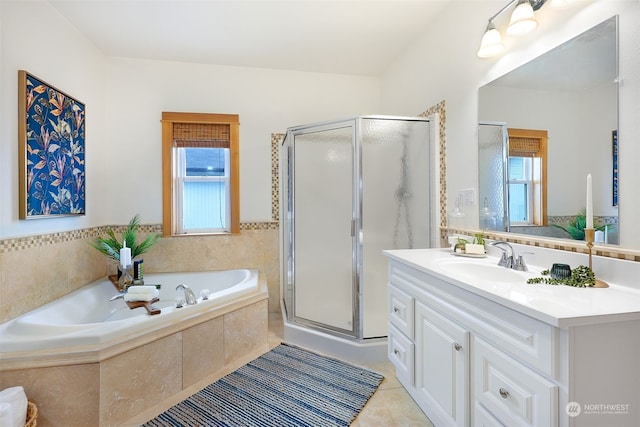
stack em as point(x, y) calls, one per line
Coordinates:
point(522, 19)
point(491, 44)
point(562, 3)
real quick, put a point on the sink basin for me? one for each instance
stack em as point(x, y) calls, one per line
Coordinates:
point(483, 270)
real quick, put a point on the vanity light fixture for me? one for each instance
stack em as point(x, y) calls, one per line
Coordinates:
point(562, 3)
point(491, 44)
point(522, 21)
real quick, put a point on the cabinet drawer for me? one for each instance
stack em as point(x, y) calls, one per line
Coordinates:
point(512, 393)
point(400, 310)
point(482, 418)
point(401, 353)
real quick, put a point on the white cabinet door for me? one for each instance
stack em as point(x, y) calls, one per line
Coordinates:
point(442, 361)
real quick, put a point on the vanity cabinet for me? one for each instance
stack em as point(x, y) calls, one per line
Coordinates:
point(442, 374)
point(470, 361)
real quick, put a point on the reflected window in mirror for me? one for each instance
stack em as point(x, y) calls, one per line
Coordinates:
point(527, 177)
point(572, 92)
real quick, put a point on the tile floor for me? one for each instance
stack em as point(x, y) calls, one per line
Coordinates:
point(390, 406)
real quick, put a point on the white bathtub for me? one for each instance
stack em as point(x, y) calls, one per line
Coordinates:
point(86, 317)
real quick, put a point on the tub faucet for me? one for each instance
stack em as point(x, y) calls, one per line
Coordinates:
point(117, 296)
point(188, 294)
point(505, 261)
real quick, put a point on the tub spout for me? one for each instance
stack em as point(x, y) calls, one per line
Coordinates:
point(117, 296)
point(189, 296)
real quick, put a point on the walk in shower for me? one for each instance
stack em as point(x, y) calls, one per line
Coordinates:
point(351, 189)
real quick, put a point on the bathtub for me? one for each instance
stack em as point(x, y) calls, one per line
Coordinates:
point(86, 317)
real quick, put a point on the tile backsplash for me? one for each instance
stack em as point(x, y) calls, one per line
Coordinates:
point(38, 269)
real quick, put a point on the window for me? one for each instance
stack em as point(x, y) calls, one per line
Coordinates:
point(527, 172)
point(200, 173)
point(520, 185)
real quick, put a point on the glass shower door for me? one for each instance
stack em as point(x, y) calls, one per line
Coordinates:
point(323, 278)
point(492, 176)
point(395, 205)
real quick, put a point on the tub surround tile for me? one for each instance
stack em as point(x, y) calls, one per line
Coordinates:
point(39, 269)
point(204, 344)
point(245, 330)
point(156, 410)
point(65, 395)
point(140, 378)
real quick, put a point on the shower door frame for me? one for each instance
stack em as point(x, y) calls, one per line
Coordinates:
point(505, 173)
point(356, 242)
point(356, 123)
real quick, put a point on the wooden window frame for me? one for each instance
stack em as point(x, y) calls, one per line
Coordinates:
point(168, 121)
point(541, 141)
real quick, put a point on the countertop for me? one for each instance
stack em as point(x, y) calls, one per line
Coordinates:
point(557, 305)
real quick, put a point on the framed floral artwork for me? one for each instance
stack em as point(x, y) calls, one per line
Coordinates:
point(51, 132)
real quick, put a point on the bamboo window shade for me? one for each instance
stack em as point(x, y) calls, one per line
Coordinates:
point(523, 147)
point(201, 135)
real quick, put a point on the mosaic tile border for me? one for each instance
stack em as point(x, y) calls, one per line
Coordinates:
point(559, 244)
point(441, 110)
point(28, 242)
point(276, 142)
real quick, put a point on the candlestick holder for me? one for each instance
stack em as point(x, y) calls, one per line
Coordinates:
point(589, 235)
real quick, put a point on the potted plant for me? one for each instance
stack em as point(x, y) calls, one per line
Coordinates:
point(111, 245)
point(575, 228)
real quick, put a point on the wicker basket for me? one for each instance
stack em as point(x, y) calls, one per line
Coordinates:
point(32, 415)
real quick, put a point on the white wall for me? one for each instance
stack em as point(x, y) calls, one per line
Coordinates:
point(444, 65)
point(36, 39)
point(124, 100)
point(267, 101)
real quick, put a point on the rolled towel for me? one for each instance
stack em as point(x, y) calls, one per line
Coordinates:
point(6, 414)
point(141, 289)
point(147, 296)
point(17, 399)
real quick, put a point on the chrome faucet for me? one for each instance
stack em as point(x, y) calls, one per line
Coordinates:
point(189, 296)
point(505, 261)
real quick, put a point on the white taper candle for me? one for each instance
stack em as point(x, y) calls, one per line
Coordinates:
point(589, 213)
point(125, 255)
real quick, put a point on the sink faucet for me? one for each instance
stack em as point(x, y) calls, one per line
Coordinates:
point(505, 261)
point(188, 294)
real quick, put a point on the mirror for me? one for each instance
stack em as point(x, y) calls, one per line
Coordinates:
point(571, 93)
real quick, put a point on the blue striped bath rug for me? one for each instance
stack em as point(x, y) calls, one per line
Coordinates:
point(287, 386)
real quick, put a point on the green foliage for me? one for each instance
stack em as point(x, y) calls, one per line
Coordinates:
point(111, 245)
point(478, 238)
point(581, 277)
point(576, 227)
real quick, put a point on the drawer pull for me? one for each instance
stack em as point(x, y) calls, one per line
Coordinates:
point(503, 393)
point(457, 346)
point(396, 351)
point(396, 310)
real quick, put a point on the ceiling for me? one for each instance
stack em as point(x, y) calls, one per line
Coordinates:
point(359, 37)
